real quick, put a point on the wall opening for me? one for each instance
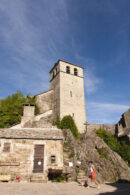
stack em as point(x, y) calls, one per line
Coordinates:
point(75, 71)
point(68, 69)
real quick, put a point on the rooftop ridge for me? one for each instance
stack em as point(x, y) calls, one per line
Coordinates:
point(65, 62)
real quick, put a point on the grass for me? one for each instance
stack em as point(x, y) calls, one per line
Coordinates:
point(103, 153)
point(72, 154)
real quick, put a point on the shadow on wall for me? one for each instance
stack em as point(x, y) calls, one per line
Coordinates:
point(123, 188)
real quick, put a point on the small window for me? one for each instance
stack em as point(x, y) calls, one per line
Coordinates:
point(75, 71)
point(6, 147)
point(68, 69)
point(53, 159)
point(70, 93)
point(56, 70)
point(53, 74)
point(73, 114)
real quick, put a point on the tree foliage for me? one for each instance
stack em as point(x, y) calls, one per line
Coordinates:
point(118, 146)
point(11, 109)
point(68, 123)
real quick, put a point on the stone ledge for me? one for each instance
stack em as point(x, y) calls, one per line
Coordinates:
point(9, 163)
point(5, 177)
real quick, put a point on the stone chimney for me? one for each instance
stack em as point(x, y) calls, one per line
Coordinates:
point(28, 113)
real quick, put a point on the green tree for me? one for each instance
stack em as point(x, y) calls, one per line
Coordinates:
point(68, 123)
point(11, 109)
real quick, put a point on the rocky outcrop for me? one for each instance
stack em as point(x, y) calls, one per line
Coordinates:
point(123, 126)
point(109, 165)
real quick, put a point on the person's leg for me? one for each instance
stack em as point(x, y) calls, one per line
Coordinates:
point(96, 183)
point(88, 182)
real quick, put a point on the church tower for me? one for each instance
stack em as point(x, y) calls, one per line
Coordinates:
point(67, 81)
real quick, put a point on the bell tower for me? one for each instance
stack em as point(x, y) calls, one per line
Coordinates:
point(67, 81)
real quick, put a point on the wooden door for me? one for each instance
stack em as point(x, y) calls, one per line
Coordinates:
point(38, 159)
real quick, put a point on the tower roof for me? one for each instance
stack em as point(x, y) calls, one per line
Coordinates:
point(65, 62)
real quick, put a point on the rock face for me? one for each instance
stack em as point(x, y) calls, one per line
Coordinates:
point(123, 126)
point(109, 167)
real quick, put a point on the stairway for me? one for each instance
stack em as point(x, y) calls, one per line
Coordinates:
point(38, 178)
point(81, 177)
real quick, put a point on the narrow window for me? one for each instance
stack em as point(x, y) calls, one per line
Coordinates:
point(53, 159)
point(70, 93)
point(56, 70)
point(73, 114)
point(68, 69)
point(6, 147)
point(53, 74)
point(75, 71)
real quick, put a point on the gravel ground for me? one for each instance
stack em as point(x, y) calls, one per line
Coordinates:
point(71, 188)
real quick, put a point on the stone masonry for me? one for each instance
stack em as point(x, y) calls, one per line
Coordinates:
point(18, 159)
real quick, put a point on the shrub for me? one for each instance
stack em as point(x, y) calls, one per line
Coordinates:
point(72, 154)
point(120, 147)
point(62, 178)
point(57, 122)
point(103, 153)
point(68, 123)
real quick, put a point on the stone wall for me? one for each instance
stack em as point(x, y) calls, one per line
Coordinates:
point(19, 161)
point(45, 101)
point(127, 118)
point(123, 126)
point(40, 121)
point(109, 128)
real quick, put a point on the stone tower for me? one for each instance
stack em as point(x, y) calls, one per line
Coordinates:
point(67, 81)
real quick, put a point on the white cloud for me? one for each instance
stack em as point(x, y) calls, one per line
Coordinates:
point(31, 44)
point(92, 81)
point(105, 113)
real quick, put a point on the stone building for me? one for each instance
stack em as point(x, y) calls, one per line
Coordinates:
point(66, 94)
point(30, 153)
point(33, 147)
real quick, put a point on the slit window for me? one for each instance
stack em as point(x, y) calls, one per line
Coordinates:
point(53, 159)
point(70, 93)
point(53, 74)
point(75, 71)
point(68, 69)
point(6, 147)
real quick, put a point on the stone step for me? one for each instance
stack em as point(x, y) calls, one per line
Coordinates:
point(38, 178)
point(81, 174)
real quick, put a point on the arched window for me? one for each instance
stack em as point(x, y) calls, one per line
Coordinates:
point(75, 71)
point(68, 69)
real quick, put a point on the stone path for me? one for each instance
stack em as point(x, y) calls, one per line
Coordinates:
point(71, 188)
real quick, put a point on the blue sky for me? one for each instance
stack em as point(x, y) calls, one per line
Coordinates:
point(92, 33)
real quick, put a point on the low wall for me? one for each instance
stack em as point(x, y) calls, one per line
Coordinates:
point(45, 101)
point(109, 128)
